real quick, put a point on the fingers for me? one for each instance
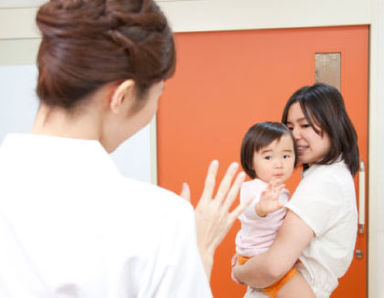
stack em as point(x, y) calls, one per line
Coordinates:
point(226, 182)
point(210, 181)
point(228, 199)
point(226, 192)
point(275, 186)
point(265, 192)
point(232, 195)
point(277, 190)
point(280, 188)
point(185, 192)
point(213, 219)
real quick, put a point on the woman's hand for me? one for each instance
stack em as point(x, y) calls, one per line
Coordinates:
point(213, 218)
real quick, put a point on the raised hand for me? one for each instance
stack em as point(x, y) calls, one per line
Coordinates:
point(213, 218)
point(269, 199)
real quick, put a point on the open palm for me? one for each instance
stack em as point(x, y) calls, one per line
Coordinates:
point(269, 199)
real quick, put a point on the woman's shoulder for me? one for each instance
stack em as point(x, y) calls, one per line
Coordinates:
point(336, 172)
point(328, 182)
point(325, 197)
point(138, 207)
point(147, 194)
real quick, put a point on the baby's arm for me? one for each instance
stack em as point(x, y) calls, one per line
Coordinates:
point(269, 199)
point(297, 286)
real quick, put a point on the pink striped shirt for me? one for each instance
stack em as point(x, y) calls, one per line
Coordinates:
point(258, 233)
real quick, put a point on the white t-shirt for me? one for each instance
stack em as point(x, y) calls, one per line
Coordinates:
point(325, 199)
point(72, 226)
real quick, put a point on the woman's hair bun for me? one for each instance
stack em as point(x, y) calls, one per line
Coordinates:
point(88, 43)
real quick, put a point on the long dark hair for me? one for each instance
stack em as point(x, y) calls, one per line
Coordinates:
point(323, 105)
point(257, 137)
point(87, 44)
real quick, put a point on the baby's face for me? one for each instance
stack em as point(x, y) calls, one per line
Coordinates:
point(276, 160)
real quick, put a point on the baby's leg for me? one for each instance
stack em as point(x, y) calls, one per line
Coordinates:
point(296, 287)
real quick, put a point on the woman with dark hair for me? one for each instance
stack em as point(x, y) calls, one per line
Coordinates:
point(319, 232)
point(72, 225)
point(323, 106)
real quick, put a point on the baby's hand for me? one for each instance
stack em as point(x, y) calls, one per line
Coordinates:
point(269, 200)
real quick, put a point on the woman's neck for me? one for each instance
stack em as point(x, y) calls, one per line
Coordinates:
point(59, 122)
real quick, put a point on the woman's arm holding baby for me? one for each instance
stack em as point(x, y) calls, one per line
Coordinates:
point(264, 269)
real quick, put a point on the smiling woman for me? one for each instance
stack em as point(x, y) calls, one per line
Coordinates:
point(318, 234)
point(306, 136)
point(318, 118)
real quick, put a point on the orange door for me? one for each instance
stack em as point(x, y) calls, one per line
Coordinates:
point(227, 81)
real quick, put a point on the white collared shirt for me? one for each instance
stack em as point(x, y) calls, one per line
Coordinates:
point(326, 201)
point(72, 226)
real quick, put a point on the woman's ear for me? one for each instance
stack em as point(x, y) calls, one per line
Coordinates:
point(123, 92)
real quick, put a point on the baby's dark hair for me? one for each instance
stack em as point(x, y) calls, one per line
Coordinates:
point(258, 136)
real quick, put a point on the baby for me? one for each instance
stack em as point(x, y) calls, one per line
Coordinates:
point(268, 156)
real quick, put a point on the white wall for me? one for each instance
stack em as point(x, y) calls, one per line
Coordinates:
point(18, 106)
point(203, 15)
point(207, 15)
point(376, 152)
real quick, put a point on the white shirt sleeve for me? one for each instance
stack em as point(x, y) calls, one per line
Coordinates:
point(176, 269)
point(318, 200)
point(325, 200)
point(184, 275)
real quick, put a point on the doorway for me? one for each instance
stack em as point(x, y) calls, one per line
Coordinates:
point(227, 81)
